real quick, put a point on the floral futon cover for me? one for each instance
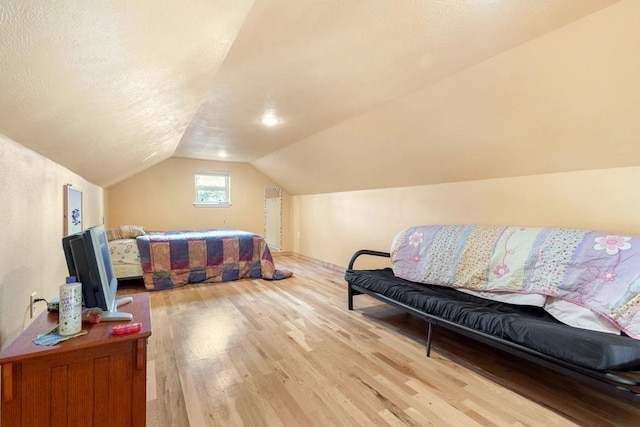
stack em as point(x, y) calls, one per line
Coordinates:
point(175, 258)
point(598, 271)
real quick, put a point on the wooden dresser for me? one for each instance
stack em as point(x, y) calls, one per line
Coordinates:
point(91, 380)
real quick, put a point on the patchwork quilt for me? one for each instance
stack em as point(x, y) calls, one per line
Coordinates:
point(175, 258)
point(595, 270)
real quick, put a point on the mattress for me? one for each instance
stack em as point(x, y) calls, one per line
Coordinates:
point(528, 326)
point(125, 258)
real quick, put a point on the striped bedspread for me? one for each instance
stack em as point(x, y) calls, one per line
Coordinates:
point(599, 271)
point(175, 258)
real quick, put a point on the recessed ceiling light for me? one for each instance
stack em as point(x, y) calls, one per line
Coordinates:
point(222, 154)
point(269, 119)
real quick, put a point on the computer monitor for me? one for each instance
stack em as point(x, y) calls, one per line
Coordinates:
point(88, 258)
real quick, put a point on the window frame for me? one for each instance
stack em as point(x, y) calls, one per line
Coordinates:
point(202, 172)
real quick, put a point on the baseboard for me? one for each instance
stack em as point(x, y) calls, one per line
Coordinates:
point(281, 253)
point(320, 263)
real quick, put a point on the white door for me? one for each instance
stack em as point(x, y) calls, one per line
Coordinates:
point(272, 218)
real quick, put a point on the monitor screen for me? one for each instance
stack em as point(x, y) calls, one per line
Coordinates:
point(96, 245)
point(88, 258)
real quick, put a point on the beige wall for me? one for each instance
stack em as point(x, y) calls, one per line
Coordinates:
point(161, 198)
point(31, 226)
point(333, 226)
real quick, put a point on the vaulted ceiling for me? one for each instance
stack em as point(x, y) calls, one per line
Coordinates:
point(110, 88)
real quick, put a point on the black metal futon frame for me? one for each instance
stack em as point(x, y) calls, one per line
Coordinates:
point(622, 383)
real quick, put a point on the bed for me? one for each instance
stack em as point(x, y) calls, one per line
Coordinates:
point(169, 259)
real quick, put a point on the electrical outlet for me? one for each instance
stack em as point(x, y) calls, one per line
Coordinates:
point(32, 304)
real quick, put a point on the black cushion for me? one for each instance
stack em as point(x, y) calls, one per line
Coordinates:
point(531, 327)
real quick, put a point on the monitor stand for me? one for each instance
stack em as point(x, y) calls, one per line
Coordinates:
point(117, 316)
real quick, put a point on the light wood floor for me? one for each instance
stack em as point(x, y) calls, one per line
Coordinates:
point(289, 353)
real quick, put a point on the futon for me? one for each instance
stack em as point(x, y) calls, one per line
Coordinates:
point(566, 298)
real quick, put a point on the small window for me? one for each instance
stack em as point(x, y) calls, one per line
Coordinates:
point(212, 188)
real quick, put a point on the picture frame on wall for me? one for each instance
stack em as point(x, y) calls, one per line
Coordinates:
point(72, 210)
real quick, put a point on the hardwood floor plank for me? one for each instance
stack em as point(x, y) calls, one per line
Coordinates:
point(195, 411)
point(289, 353)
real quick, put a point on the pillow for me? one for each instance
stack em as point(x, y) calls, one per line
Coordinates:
point(579, 317)
point(125, 232)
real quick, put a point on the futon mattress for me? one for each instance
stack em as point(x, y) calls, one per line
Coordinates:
point(528, 326)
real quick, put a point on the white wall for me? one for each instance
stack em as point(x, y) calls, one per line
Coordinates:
point(31, 231)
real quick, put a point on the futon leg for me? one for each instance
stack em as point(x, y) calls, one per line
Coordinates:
point(429, 339)
point(350, 297)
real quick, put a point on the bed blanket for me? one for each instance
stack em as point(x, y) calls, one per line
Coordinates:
point(175, 258)
point(599, 271)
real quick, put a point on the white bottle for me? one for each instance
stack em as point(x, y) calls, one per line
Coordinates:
point(70, 309)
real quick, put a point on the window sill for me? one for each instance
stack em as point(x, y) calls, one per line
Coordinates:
point(212, 205)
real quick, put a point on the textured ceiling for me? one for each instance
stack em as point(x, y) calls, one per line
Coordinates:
point(100, 86)
point(110, 88)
